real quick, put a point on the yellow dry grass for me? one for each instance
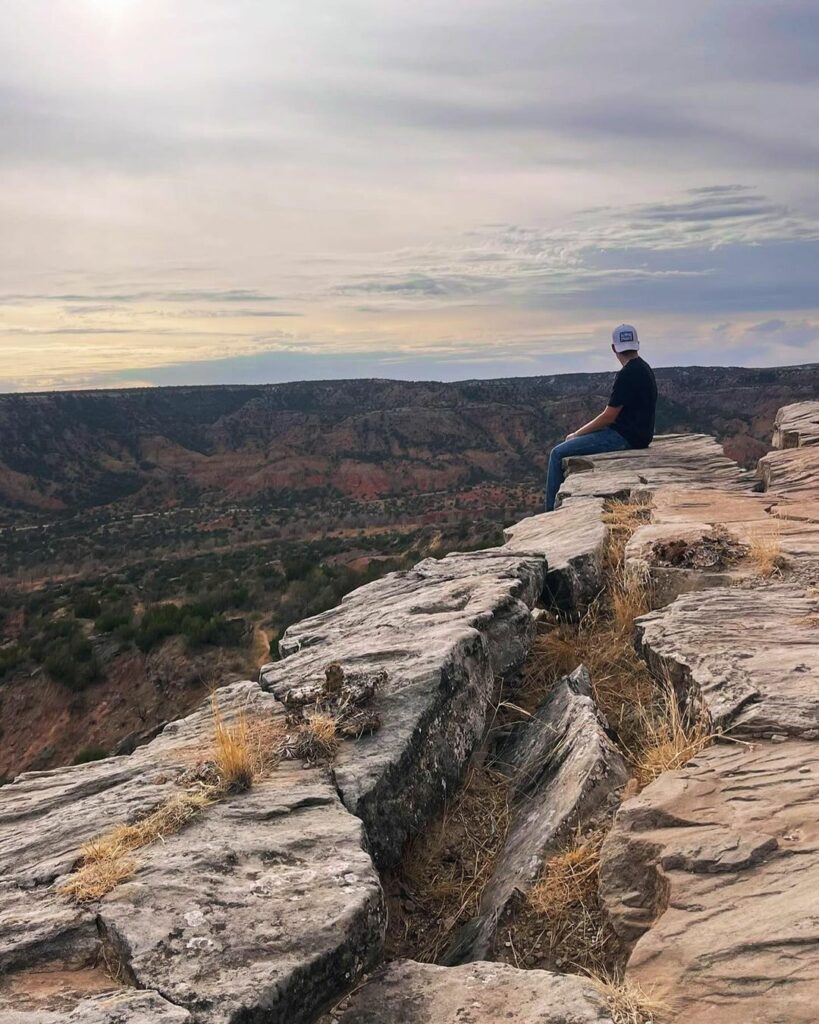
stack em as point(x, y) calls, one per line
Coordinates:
point(93, 880)
point(242, 751)
point(631, 1004)
point(106, 862)
point(563, 924)
point(622, 517)
point(667, 739)
point(317, 736)
point(447, 868)
point(765, 553)
point(235, 755)
point(569, 878)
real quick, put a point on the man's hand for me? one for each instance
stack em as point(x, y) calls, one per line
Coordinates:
point(572, 436)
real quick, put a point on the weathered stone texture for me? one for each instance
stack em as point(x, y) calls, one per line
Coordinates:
point(442, 633)
point(406, 992)
point(796, 425)
point(190, 923)
point(672, 458)
point(109, 1008)
point(752, 655)
point(572, 540)
point(714, 872)
point(564, 771)
point(269, 899)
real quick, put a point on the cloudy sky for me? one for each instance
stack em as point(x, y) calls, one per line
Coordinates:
point(242, 190)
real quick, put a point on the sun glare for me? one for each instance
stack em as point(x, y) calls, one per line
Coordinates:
point(113, 8)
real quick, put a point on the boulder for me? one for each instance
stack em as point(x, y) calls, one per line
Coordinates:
point(268, 904)
point(796, 425)
point(564, 771)
point(713, 874)
point(405, 992)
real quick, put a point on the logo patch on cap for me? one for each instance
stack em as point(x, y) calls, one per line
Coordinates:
point(626, 336)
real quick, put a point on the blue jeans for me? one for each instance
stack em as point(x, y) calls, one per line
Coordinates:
point(606, 440)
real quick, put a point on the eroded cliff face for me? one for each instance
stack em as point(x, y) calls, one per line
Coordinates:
point(359, 439)
point(266, 905)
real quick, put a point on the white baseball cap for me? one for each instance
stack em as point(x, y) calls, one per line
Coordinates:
point(625, 338)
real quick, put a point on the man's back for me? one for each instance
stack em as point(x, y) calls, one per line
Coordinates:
point(635, 389)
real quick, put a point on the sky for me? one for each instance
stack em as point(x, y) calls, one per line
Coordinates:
point(194, 191)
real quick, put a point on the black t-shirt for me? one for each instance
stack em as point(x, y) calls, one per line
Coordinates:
point(635, 389)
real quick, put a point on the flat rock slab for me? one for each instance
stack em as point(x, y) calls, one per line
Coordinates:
point(441, 632)
point(564, 770)
point(573, 543)
point(752, 655)
point(714, 872)
point(406, 992)
point(671, 458)
point(267, 903)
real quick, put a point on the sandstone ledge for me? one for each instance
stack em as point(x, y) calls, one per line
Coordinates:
point(269, 906)
point(714, 872)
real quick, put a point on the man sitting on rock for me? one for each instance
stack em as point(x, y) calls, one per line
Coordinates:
point(626, 422)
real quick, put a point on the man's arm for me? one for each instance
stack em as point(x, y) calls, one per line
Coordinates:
point(605, 419)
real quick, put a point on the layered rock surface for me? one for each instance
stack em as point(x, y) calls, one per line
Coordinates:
point(440, 634)
point(564, 772)
point(672, 458)
point(711, 873)
point(268, 906)
point(268, 899)
point(714, 870)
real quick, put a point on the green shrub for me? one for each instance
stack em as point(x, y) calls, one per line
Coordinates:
point(87, 606)
point(194, 622)
point(11, 657)
point(92, 752)
point(73, 663)
point(114, 617)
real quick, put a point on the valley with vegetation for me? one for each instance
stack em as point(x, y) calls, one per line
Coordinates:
point(155, 544)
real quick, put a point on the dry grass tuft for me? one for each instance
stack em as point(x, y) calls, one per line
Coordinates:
point(568, 878)
point(629, 1003)
point(765, 553)
point(446, 869)
point(106, 862)
point(233, 752)
point(317, 737)
point(242, 752)
point(668, 738)
point(93, 880)
point(562, 925)
point(622, 517)
point(629, 595)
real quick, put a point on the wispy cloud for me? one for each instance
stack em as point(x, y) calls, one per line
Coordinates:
point(437, 183)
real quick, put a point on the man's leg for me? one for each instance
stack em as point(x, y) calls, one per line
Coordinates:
point(607, 440)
